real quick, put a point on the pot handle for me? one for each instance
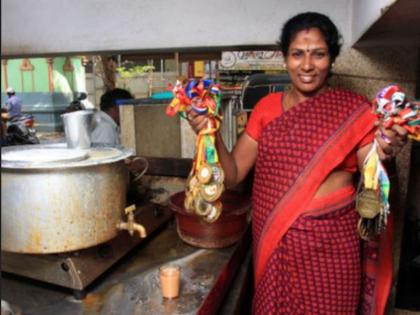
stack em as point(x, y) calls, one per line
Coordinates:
point(137, 176)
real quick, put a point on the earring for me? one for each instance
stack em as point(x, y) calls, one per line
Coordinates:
point(332, 65)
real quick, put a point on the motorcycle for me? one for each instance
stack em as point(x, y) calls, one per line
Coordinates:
point(21, 130)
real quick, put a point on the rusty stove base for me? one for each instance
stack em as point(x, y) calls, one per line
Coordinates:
point(76, 270)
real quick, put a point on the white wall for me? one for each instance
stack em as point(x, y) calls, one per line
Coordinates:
point(39, 27)
point(365, 13)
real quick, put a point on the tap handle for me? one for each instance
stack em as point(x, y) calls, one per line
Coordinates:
point(130, 209)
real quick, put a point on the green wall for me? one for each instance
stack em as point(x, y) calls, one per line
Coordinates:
point(16, 77)
point(64, 81)
point(33, 88)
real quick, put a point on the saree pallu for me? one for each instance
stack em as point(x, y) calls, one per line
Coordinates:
point(296, 152)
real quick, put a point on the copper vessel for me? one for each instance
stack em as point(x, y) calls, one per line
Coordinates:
point(226, 231)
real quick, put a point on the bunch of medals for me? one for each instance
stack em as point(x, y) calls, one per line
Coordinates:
point(205, 181)
point(372, 202)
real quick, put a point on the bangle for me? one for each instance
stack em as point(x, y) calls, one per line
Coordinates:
point(384, 137)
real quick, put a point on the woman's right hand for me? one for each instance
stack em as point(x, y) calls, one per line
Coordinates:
point(196, 121)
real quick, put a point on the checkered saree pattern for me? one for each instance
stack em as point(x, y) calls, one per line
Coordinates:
point(316, 269)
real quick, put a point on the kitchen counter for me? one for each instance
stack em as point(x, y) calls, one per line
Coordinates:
point(212, 281)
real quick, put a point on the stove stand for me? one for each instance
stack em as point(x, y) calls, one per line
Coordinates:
point(76, 270)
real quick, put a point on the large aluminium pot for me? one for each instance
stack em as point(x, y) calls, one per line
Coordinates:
point(56, 199)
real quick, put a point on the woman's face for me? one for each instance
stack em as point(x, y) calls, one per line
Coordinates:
point(308, 62)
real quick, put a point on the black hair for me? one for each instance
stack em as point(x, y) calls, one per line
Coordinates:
point(304, 21)
point(74, 106)
point(109, 98)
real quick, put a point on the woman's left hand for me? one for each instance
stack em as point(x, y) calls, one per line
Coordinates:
point(390, 141)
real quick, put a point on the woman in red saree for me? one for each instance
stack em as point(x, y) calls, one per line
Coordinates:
point(306, 145)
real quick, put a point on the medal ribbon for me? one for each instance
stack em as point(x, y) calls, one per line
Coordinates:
point(204, 185)
point(376, 178)
point(204, 97)
point(391, 107)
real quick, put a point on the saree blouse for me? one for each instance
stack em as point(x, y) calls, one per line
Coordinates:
point(270, 107)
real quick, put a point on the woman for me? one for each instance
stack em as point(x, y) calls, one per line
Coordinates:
point(306, 145)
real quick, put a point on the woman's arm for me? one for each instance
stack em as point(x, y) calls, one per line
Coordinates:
point(237, 164)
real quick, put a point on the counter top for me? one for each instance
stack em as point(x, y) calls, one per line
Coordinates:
point(132, 286)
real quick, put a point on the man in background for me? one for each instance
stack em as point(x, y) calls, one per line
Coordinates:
point(13, 106)
point(106, 122)
point(106, 128)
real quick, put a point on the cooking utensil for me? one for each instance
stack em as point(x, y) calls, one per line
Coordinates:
point(63, 204)
point(225, 231)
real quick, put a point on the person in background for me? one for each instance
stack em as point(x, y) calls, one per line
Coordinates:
point(13, 106)
point(106, 122)
point(81, 102)
point(2, 133)
point(74, 107)
point(307, 145)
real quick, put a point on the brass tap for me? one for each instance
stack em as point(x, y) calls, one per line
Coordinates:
point(131, 226)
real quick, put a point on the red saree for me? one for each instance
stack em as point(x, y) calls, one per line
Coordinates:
point(307, 257)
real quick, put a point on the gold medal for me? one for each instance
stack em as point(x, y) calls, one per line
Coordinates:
point(211, 192)
point(188, 203)
point(195, 191)
point(201, 207)
point(363, 230)
point(368, 204)
point(215, 212)
point(218, 174)
point(204, 173)
point(192, 181)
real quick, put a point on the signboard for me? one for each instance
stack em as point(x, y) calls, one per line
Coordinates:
point(252, 60)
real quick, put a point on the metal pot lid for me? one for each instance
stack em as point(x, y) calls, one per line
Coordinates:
point(48, 156)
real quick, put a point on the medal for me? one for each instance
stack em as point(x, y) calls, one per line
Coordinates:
point(188, 203)
point(372, 198)
point(211, 192)
point(365, 232)
point(215, 212)
point(191, 182)
point(372, 203)
point(204, 185)
point(218, 174)
point(202, 208)
point(204, 173)
point(368, 204)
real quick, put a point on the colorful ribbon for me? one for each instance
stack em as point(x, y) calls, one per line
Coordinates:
point(205, 182)
point(391, 107)
point(204, 97)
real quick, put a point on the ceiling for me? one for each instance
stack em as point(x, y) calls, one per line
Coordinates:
point(398, 26)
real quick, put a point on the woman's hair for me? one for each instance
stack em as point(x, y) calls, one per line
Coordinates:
point(306, 21)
